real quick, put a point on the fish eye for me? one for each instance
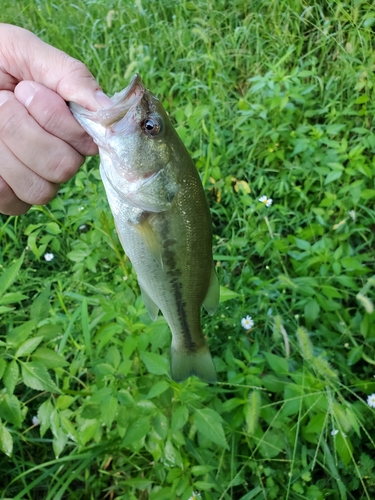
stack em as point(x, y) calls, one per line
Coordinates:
point(152, 125)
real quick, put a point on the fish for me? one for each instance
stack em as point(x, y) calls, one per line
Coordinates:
point(162, 218)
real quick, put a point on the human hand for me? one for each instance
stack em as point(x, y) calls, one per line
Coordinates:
point(41, 144)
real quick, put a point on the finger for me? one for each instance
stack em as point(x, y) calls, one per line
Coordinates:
point(25, 184)
point(7, 82)
point(10, 204)
point(46, 155)
point(26, 57)
point(50, 111)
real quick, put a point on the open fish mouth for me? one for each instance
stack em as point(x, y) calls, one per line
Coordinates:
point(122, 103)
point(105, 117)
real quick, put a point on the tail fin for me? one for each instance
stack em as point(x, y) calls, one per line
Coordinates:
point(200, 363)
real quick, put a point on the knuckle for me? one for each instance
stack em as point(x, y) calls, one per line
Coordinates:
point(42, 194)
point(67, 167)
point(9, 122)
point(9, 203)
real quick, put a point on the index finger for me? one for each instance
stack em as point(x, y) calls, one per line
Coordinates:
point(26, 57)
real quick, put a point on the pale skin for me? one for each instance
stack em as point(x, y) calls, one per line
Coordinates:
point(41, 144)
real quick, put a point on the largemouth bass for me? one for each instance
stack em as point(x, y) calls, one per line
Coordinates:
point(162, 218)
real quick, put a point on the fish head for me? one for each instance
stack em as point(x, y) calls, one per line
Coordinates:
point(134, 134)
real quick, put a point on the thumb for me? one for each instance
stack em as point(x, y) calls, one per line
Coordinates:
point(25, 57)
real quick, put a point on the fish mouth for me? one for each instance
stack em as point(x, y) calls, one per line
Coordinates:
point(122, 103)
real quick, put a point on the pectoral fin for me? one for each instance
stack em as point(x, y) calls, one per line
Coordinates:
point(212, 298)
point(150, 305)
point(147, 234)
point(156, 193)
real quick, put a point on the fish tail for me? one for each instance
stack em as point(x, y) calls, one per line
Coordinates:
point(200, 364)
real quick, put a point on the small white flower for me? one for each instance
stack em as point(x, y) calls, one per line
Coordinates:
point(49, 256)
point(81, 208)
point(371, 400)
point(82, 227)
point(247, 323)
point(334, 432)
point(267, 201)
point(35, 420)
point(352, 214)
point(195, 495)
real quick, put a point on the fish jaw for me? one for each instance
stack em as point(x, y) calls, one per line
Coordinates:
point(123, 102)
point(118, 118)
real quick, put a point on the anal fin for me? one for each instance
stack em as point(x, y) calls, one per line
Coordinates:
point(211, 301)
point(150, 305)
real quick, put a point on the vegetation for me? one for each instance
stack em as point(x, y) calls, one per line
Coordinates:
point(272, 98)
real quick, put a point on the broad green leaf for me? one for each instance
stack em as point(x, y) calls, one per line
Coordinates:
point(49, 358)
point(302, 244)
point(155, 363)
point(272, 444)
point(6, 440)
point(343, 447)
point(109, 410)
point(11, 298)
point(10, 409)
point(366, 194)
point(354, 355)
point(10, 275)
point(125, 398)
point(11, 376)
point(59, 442)
point(138, 483)
point(113, 356)
point(277, 364)
point(28, 347)
point(53, 228)
point(130, 344)
point(78, 255)
point(91, 411)
point(179, 418)
point(333, 176)
point(36, 376)
point(158, 389)
point(69, 427)
point(200, 470)
point(252, 494)
point(87, 430)
point(5, 309)
point(231, 404)
point(44, 415)
point(312, 310)
point(18, 335)
point(226, 294)
point(316, 424)
point(64, 401)
point(172, 455)
point(353, 264)
point(160, 425)
point(209, 423)
point(40, 307)
point(204, 485)
point(136, 430)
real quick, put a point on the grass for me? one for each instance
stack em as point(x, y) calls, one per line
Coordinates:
point(271, 98)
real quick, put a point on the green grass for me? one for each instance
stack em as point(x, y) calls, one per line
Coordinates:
point(271, 98)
